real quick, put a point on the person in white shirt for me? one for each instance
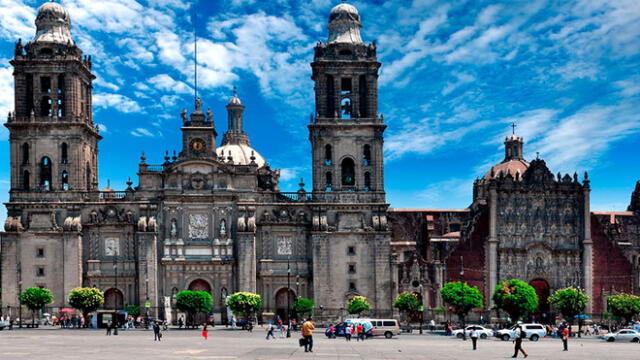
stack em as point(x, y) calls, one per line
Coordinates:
point(473, 334)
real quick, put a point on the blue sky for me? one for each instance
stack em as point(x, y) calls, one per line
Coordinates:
point(455, 74)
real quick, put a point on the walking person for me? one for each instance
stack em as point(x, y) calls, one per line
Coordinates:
point(473, 334)
point(109, 324)
point(205, 334)
point(270, 329)
point(519, 334)
point(348, 330)
point(307, 333)
point(565, 339)
point(157, 336)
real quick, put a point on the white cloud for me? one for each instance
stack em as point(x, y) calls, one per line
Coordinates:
point(164, 82)
point(116, 101)
point(142, 132)
point(6, 100)
point(16, 20)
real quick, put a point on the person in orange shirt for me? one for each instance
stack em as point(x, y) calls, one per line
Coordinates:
point(307, 333)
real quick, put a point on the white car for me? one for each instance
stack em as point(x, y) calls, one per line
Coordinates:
point(533, 332)
point(482, 332)
point(622, 335)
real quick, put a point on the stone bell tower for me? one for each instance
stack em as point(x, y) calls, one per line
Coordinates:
point(350, 236)
point(346, 132)
point(53, 142)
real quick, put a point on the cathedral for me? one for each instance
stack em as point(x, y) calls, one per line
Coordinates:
point(212, 217)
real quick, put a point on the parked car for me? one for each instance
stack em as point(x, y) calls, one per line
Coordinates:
point(533, 332)
point(622, 335)
point(483, 331)
point(4, 324)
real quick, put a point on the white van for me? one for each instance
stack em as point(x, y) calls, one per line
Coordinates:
point(533, 332)
point(386, 327)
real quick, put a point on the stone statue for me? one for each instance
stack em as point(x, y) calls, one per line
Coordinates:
point(223, 227)
point(174, 228)
point(198, 105)
point(18, 50)
point(209, 115)
point(183, 114)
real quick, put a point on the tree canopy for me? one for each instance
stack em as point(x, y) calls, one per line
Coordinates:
point(86, 299)
point(357, 305)
point(35, 298)
point(133, 310)
point(625, 306)
point(516, 298)
point(569, 301)
point(193, 302)
point(407, 302)
point(462, 297)
point(244, 303)
point(303, 306)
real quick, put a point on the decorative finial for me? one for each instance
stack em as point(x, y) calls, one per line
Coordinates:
point(513, 128)
point(174, 157)
point(109, 183)
point(143, 158)
point(129, 183)
point(235, 91)
point(537, 155)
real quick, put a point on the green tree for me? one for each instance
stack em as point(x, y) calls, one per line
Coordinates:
point(516, 298)
point(133, 310)
point(193, 302)
point(407, 303)
point(86, 300)
point(244, 304)
point(303, 306)
point(358, 305)
point(570, 301)
point(624, 306)
point(462, 297)
point(35, 298)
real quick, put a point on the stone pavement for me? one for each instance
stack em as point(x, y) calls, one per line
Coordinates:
point(237, 344)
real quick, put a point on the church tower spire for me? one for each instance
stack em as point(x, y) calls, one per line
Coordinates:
point(54, 142)
point(346, 132)
point(235, 133)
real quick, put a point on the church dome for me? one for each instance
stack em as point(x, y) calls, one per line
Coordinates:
point(344, 10)
point(53, 24)
point(511, 166)
point(344, 25)
point(240, 154)
point(235, 100)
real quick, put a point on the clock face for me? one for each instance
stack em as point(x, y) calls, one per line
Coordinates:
point(198, 145)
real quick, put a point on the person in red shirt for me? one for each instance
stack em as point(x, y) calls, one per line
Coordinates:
point(360, 331)
point(565, 338)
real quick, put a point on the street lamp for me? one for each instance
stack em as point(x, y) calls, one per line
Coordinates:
point(421, 308)
point(115, 311)
point(288, 296)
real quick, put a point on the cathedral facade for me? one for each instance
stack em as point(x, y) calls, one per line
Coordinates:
point(212, 217)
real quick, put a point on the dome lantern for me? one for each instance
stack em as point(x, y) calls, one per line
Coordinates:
point(344, 24)
point(53, 24)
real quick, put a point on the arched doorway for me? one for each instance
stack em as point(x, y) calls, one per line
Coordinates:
point(282, 304)
point(542, 290)
point(113, 299)
point(200, 285)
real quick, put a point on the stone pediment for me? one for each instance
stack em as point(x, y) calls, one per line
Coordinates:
point(538, 173)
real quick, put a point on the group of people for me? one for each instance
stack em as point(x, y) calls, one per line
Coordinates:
point(350, 330)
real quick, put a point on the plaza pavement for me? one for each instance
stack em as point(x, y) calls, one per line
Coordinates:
point(236, 344)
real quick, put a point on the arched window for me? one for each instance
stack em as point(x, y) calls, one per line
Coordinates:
point(88, 177)
point(366, 155)
point(64, 153)
point(65, 180)
point(367, 181)
point(45, 106)
point(26, 179)
point(328, 155)
point(348, 172)
point(330, 96)
point(328, 181)
point(362, 87)
point(45, 173)
point(25, 153)
point(345, 108)
point(61, 95)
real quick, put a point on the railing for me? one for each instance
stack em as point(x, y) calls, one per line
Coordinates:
point(112, 195)
point(294, 197)
point(329, 196)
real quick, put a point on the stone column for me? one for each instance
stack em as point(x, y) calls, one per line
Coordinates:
point(246, 256)
point(492, 254)
point(383, 283)
point(72, 263)
point(587, 253)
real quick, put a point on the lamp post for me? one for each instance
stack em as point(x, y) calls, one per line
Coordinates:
point(115, 311)
point(421, 308)
point(288, 296)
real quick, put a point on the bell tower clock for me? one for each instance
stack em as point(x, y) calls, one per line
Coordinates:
point(198, 134)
